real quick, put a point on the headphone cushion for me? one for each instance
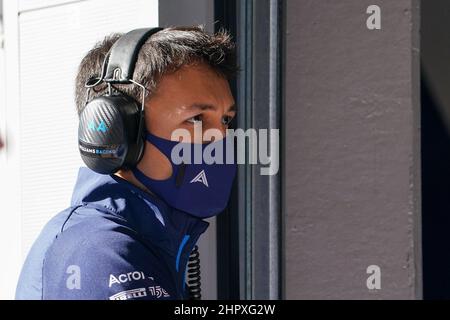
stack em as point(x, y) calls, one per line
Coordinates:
point(107, 133)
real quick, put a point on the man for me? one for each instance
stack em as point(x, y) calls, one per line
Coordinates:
point(128, 235)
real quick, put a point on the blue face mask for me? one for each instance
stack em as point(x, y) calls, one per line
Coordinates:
point(200, 189)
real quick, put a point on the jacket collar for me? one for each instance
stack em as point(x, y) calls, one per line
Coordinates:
point(148, 215)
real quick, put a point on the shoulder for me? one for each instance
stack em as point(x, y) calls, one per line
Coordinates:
point(100, 258)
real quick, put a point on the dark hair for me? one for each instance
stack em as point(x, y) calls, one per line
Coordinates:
point(164, 52)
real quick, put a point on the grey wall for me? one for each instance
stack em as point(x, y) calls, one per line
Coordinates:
point(186, 13)
point(352, 177)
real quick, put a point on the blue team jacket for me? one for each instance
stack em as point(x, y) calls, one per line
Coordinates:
point(114, 242)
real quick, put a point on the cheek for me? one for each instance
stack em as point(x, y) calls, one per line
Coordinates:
point(161, 124)
point(155, 164)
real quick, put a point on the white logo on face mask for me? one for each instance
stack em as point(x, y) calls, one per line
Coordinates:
point(201, 177)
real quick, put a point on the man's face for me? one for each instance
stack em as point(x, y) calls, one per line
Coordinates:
point(191, 94)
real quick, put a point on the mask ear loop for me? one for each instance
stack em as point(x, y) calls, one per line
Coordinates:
point(141, 118)
point(180, 176)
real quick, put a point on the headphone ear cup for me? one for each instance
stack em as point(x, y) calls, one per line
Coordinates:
point(135, 129)
point(107, 133)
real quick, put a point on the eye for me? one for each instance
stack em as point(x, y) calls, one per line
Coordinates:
point(226, 120)
point(195, 119)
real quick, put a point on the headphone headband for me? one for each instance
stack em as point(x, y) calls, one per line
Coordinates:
point(124, 53)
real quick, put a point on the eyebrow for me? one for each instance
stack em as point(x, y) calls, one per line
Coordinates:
point(203, 106)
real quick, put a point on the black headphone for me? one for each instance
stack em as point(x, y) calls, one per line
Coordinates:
point(111, 127)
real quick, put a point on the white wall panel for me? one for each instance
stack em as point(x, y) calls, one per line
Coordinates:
point(52, 38)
